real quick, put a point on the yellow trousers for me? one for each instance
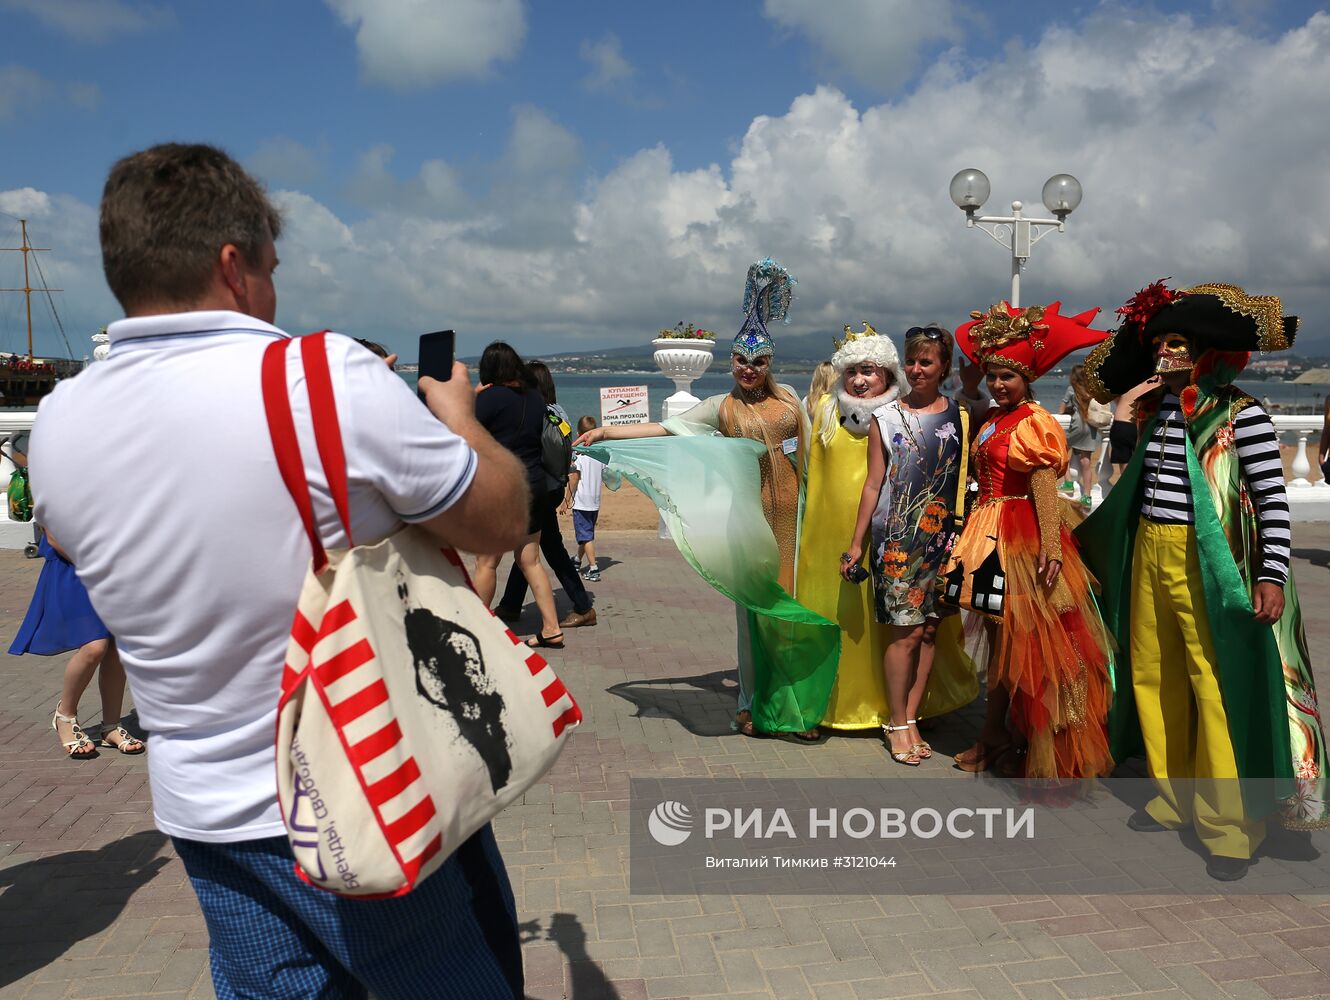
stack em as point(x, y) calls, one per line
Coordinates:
point(1175, 677)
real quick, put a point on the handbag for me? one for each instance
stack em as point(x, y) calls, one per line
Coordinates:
point(1098, 415)
point(409, 716)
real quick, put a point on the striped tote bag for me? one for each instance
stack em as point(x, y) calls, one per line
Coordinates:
point(409, 715)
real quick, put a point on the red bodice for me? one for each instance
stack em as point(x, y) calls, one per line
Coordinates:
point(996, 478)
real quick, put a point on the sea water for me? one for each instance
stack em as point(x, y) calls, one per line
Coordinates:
point(579, 394)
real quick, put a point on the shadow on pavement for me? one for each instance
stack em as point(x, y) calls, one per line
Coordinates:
point(1317, 557)
point(50, 904)
point(705, 707)
point(588, 981)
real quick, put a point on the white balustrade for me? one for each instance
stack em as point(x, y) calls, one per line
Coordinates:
point(1309, 499)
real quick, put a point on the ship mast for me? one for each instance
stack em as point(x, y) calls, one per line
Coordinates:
point(27, 288)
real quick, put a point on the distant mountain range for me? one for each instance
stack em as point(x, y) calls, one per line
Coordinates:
point(791, 347)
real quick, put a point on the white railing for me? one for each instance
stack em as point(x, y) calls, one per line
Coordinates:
point(1308, 491)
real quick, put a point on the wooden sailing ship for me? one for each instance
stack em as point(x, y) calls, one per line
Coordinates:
point(26, 378)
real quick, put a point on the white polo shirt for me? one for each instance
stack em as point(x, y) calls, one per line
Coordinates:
point(154, 471)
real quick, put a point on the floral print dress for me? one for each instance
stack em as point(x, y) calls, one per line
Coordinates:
point(914, 524)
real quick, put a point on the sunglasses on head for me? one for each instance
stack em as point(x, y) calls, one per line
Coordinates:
point(931, 332)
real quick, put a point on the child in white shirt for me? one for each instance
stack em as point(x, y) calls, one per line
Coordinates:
point(584, 497)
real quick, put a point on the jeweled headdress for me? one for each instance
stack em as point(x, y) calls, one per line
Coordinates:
point(1030, 341)
point(767, 295)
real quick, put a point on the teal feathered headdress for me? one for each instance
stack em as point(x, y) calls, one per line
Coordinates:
point(767, 295)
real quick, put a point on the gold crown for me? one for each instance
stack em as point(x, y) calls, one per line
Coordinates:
point(851, 335)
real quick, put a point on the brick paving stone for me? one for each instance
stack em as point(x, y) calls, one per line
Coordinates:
point(653, 679)
point(1306, 984)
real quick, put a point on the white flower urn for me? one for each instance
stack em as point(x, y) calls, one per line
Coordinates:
point(682, 361)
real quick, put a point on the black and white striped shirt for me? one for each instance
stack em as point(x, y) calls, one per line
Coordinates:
point(1168, 499)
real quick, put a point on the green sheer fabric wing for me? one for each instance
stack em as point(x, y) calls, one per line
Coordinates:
point(708, 490)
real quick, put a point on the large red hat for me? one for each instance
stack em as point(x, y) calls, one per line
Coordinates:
point(1030, 341)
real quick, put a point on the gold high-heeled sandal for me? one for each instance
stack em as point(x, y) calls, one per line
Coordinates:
point(921, 749)
point(907, 757)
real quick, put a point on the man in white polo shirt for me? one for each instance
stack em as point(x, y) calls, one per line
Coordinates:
point(195, 564)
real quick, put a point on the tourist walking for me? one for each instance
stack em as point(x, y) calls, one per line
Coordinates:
point(509, 406)
point(60, 618)
point(584, 499)
point(1082, 430)
point(202, 611)
point(910, 479)
point(551, 537)
point(1016, 564)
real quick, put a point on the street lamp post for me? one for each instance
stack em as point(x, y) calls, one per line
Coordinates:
point(1062, 193)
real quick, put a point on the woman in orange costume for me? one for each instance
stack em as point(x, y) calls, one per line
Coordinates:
point(1017, 564)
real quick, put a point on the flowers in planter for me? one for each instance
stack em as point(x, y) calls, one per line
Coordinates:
point(685, 331)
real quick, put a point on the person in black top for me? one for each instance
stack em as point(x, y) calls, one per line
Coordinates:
point(510, 408)
point(509, 608)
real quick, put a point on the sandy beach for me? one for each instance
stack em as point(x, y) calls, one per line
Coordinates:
point(625, 509)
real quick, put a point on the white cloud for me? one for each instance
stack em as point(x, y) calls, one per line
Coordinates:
point(538, 144)
point(1202, 151)
point(94, 20)
point(876, 41)
point(282, 160)
point(409, 44)
point(609, 68)
point(24, 90)
point(435, 191)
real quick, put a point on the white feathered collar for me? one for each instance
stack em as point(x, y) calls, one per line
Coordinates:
point(856, 414)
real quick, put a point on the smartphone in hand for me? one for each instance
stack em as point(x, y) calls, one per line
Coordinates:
point(436, 356)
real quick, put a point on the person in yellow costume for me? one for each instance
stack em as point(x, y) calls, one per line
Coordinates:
point(870, 381)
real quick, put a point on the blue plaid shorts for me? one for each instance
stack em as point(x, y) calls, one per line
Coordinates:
point(271, 935)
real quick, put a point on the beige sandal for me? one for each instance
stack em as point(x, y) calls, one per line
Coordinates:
point(921, 749)
point(907, 757)
point(129, 745)
point(80, 747)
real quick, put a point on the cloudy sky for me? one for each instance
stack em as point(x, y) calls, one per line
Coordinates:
point(573, 175)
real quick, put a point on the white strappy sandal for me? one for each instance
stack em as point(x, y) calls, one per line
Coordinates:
point(80, 747)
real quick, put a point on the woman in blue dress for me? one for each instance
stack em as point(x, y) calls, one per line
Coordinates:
point(60, 618)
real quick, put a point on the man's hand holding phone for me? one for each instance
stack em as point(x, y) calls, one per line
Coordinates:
point(452, 401)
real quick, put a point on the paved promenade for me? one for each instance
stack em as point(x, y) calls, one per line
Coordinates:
point(94, 903)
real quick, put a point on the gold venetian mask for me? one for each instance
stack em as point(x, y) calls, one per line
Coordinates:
point(1172, 353)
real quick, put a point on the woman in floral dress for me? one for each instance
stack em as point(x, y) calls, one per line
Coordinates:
point(913, 497)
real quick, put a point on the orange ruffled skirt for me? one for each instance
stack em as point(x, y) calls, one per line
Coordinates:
point(1052, 651)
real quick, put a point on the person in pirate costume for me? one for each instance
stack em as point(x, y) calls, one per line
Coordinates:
point(1017, 565)
point(1192, 548)
point(899, 462)
point(733, 508)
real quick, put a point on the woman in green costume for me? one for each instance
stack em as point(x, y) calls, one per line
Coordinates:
point(1191, 547)
point(733, 506)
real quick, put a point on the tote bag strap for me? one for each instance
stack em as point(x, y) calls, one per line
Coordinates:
point(327, 433)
